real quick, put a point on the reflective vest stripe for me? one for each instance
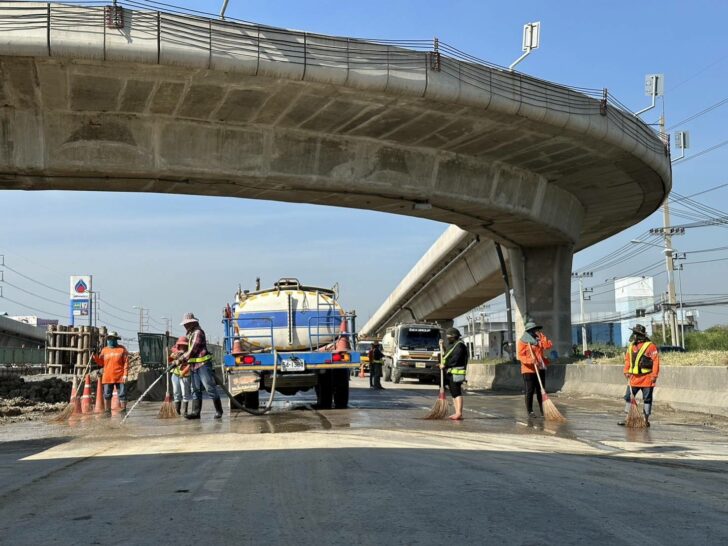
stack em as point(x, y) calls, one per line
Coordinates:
point(634, 368)
point(447, 354)
point(457, 371)
point(200, 359)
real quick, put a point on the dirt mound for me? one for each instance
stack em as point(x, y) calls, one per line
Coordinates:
point(135, 366)
point(27, 400)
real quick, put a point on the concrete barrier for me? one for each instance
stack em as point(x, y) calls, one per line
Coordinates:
point(692, 388)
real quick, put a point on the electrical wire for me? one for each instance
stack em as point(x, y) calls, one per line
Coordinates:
point(702, 153)
point(698, 114)
point(6, 266)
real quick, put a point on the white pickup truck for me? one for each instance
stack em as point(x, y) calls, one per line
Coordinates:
point(412, 350)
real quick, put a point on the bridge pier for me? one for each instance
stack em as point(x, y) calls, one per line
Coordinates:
point(541, 281)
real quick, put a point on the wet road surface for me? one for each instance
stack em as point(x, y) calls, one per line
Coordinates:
point(376, 473)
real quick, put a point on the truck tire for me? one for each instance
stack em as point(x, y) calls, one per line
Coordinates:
point(386, 373)
point(396, 376)
point(340, 380)
point(324, 390)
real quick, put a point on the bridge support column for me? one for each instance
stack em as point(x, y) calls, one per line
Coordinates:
point(541, 281)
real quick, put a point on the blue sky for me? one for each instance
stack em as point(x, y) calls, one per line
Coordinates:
point(137, 245)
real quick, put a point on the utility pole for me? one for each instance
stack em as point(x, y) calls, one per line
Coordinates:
point(582, 298)
point(143, 317)
point(669, 255)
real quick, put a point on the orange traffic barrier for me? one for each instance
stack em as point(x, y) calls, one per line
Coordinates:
point(115, 406)
point(99, 406)
point(86, 396)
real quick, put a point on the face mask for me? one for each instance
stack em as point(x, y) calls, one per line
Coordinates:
point(112, 342)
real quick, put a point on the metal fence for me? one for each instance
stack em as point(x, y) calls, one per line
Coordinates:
point(12, 355)
point(153, 355)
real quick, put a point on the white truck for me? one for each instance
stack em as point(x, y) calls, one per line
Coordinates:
point(412, 350)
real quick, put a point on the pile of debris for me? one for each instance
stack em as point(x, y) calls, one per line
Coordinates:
point(135, 366)
point(22, 400)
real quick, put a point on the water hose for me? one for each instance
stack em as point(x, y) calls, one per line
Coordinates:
point(163, 374)
point(240, 406)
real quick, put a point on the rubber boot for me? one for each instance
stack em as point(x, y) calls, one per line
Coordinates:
point(178, 407)
point(122, 406)
point(185, 405)
point(623, 422)
point(218, 408)
point(648, 412)
point(107, 408)
point(196, 409)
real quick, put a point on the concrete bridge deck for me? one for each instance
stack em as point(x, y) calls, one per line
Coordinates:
point(173, 103)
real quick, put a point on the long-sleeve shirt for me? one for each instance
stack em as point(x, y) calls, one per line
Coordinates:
point(648, 379)
point(456, 356)
point(197, 348)
point(530, 354)
point(115, 362)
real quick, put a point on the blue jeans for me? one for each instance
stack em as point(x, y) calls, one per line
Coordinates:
point(120, 390)
point(204, 377)
point(181, 388)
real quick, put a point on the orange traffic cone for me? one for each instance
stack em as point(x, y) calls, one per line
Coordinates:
point(343, 326)
point(237, 347)
point(76, 400)
point(86, 397)
point(115, 406)
point(361, 372)
point(99, 406)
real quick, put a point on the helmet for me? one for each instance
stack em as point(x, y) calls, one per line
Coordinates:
point(182, 340)
point(452, 332)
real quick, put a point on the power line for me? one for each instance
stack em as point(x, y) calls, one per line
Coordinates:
point(698, 114)
point(115, 307)
point(62, 304)
point(6, 266)
point(698, 73)
point(31, 308)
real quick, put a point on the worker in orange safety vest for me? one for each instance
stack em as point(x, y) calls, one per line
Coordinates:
point(641, 367)
point(114, 359)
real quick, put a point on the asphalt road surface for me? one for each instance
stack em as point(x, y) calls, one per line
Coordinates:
point(374, 474)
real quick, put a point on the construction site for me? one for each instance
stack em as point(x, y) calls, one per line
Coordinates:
point(261, 285)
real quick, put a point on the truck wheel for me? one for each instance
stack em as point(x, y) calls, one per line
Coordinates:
point(324, 390)
point(396, 376)
point(386, 373)
point(340, 379)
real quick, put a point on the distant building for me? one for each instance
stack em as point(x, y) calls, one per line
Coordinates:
point(35, 321)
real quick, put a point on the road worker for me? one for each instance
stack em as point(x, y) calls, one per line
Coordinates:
point(641, 367)
point(376, 359)
point(455, 363)
point(180, 377)
point(531, 348)
point(201, 367)
point(114, 359)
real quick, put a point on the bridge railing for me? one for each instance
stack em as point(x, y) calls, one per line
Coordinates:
point(155, 32)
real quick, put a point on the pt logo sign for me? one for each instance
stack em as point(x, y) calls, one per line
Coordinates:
point(80, 298)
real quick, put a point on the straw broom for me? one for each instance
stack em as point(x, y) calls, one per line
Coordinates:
point(441, 408)
point(634, 419)
point(66, 412)
point(167, 411)
point(550, 411)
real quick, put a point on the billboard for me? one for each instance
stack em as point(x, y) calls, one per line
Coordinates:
point(80, 290)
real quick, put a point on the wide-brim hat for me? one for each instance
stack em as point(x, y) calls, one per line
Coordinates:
point(639, 329)
point(112, 334)
point(189, 318)
point(452, 332)
point(530, 325)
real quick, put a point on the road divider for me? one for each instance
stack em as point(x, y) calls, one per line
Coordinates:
point(691, 388)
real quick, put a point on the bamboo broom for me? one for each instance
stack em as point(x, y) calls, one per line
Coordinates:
point(634, 419)
point(167, 410)
point(66, 412)
point(550, 411)
point(441, 408)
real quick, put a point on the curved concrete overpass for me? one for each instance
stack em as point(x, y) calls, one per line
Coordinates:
point(172, 103)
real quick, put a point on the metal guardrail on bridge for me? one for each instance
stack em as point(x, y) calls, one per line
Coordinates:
point(60, 28)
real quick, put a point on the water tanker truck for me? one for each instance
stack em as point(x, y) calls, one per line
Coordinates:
point(287, 339)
